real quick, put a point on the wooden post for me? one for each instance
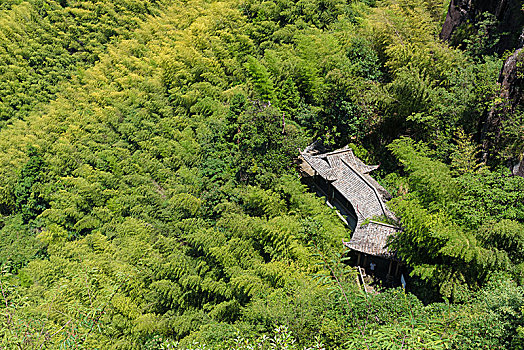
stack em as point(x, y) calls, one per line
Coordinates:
point(365, 261)
point(396, 270)
point(358, 260)
point(363, 282)
point(389, 269)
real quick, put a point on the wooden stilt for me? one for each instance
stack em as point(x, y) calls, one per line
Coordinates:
point(358, 259)
point(396, 270)
point(363, 282)
point(389, 269)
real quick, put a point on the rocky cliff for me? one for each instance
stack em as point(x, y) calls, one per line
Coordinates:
point(464, 15)
point(511, 100)
point(462, 23)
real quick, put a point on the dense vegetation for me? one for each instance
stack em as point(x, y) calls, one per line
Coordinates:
point(149, 198)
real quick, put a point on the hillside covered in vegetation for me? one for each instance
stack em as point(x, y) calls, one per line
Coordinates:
point(149, 196)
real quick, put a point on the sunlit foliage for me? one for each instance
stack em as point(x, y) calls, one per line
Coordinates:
point(148, 190)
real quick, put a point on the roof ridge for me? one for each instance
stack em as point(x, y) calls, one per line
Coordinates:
point(384, 224)
point(375, 191)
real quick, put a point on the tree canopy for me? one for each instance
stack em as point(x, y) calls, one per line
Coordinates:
point(148, 191)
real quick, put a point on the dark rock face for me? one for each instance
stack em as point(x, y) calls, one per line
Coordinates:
point(511, 81)
point(508, 13)
point(518, 169)
point(512, 91)
point(463, 21)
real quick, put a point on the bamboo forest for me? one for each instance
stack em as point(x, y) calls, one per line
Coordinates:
point(261, 174)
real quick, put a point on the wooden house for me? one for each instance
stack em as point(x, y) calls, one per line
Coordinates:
point(344, 180)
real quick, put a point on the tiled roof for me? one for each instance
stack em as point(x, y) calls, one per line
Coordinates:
point(349, 175)
point(372, 238)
